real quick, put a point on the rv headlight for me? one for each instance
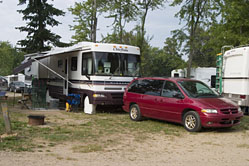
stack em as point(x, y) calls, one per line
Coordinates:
point(210, 111)
point(95, 95)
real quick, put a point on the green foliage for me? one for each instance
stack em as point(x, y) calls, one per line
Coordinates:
point(122, 12)
point(144, 6)
point(232, 28)
point(86, 14)
point(39, 14)
point(196, 14)
point(160, 63)
point(10, 58)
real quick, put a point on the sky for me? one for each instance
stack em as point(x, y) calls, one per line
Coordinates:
point(159, 23)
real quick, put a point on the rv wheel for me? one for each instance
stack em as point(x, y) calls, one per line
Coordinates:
point(89, 108)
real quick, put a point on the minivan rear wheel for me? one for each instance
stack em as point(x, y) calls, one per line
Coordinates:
point(135, 113)
point(192, 122)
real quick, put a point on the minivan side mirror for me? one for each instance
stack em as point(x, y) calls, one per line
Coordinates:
point(178, 96)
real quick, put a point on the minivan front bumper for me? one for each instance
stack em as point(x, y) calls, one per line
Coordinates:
point(220, 120)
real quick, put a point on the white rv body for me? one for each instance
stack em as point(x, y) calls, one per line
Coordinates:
point(204, 74)
point(235, 80)
point(18, 77)
point(88, 69)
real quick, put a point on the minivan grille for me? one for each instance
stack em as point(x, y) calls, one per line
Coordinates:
point(229, 111)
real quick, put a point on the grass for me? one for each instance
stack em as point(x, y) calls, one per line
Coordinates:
point(243, 146)
point(87, 148)
point(92, 132)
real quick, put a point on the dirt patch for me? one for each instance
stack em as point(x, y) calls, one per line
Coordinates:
point(210, 147)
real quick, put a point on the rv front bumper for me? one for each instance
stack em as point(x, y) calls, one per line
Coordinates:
point(107, 98)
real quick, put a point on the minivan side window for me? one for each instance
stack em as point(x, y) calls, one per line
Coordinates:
point(170, 89)
point(134, 87)
point(152, 87)
point(148, 87)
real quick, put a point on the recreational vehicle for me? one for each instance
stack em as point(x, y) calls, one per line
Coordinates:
point(233, 75)
point(204, 74)
point(98, 72)
point(18, 77)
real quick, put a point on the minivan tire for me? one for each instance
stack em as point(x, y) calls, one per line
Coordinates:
point(135, 113)
point(191, 121)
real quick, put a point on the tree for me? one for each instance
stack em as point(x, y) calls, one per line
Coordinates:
point(122, 12)
point(86, 19)
point(232, 28)
point(10, 58)
point(39, 14)
point(159, 63)
point(144, 7)
point(195, 13)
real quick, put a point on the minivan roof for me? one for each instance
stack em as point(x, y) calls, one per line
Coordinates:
point(167, 78)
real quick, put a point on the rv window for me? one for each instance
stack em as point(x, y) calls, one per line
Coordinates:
point(74, 64)
point(107, 64)
point(116, 64)
point(60, 63)
point(213, 81)
point(87, 64)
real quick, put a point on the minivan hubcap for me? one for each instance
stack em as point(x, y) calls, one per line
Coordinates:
point(133, 113)
point(190, 122)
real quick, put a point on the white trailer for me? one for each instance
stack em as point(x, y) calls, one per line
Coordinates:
point(18, 77)
point(204, 74)
point(235, 76)
point(98, 72)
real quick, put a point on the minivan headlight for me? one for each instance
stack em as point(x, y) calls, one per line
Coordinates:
point(210, 111)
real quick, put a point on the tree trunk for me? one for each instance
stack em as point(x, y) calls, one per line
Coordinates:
point(94, 28)
point(191, 42)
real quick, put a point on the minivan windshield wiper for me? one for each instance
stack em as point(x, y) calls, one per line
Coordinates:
point(206, 95)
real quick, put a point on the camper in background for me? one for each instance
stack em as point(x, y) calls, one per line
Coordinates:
point(233, 75)
point(204, 74)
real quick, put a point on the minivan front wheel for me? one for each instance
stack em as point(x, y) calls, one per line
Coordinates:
point(192, 122)
point(135, 113)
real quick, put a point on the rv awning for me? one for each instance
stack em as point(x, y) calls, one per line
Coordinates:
point(22, 66)
point(57, 52)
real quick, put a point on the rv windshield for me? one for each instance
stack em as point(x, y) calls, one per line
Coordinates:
point(116, 64)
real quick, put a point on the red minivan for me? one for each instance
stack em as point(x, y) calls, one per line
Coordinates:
point(186, 101)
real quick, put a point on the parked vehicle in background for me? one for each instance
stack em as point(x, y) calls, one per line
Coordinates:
point(18, 77)
point(17, 86)
point(186, 101)
point(233, 75)
point(204, 74)
point(3, 84)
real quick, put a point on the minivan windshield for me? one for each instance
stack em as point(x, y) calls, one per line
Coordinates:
point(197, 89)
